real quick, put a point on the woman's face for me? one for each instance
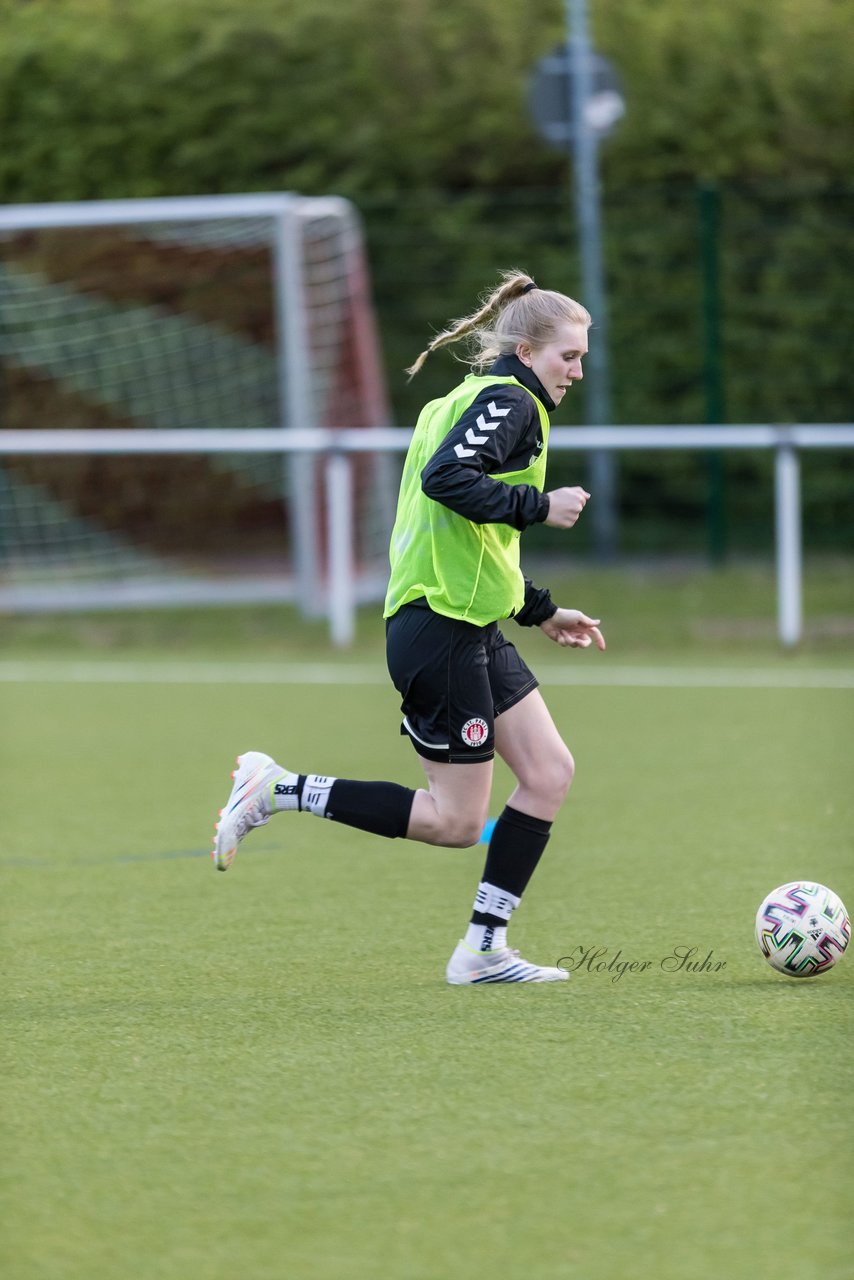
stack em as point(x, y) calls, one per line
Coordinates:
point(558, 363)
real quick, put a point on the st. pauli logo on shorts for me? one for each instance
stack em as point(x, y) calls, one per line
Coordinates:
point(474, 732)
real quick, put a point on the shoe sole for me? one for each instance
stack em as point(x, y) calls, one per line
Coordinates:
point(223, 858)
point(497, 979)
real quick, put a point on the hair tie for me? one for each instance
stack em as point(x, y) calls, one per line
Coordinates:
point(530, 286)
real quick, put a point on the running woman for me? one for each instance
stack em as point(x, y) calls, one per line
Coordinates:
point(472, 481)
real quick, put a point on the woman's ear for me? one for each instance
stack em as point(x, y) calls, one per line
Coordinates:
point(523, 351)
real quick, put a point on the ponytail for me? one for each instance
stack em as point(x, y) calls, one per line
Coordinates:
point(517, 310)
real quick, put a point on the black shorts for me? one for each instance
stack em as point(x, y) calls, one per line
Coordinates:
point(454, 679)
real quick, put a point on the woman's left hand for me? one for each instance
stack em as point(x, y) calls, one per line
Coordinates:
point(573, 629)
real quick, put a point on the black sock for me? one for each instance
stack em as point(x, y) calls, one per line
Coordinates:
point(380, 807)
point(515, 849)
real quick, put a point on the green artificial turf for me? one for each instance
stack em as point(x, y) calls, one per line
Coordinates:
point(263, 1074)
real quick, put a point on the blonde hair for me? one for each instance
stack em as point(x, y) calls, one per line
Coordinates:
point(517, 310)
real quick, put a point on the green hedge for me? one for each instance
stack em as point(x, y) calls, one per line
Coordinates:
point(99, 99)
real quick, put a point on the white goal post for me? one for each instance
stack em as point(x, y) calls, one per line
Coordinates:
point(342, 449)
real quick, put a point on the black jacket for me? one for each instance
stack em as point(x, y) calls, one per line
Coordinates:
point(459, 474)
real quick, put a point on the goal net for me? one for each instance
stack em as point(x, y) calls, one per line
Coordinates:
point(231, 313)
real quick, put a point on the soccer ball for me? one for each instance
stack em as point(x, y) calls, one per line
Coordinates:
point(802, 929)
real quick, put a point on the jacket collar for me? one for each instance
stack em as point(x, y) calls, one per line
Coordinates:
point(512, 367)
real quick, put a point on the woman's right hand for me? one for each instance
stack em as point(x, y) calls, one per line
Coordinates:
point(565, 506)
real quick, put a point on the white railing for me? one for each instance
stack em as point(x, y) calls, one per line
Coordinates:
point(338, 446)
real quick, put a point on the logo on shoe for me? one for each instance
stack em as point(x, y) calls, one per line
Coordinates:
point(474, 732)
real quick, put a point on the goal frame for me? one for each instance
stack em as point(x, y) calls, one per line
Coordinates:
point(288, 213)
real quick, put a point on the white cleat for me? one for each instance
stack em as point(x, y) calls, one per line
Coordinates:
point(468, 967)
point(249, 805)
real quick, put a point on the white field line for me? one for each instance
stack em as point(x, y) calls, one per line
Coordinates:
point(111, 671)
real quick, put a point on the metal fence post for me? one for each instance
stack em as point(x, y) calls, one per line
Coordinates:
point(339, 533)
point(588, 201)
point(787, 500)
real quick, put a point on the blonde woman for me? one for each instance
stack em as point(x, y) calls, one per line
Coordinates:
point(473, 480)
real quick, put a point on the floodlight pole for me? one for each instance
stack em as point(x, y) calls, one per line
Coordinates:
point(585, 157)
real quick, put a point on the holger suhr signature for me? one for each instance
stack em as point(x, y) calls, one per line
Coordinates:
point(680, 959)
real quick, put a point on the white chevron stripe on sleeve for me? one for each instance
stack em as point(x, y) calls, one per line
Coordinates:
point(486, 426)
